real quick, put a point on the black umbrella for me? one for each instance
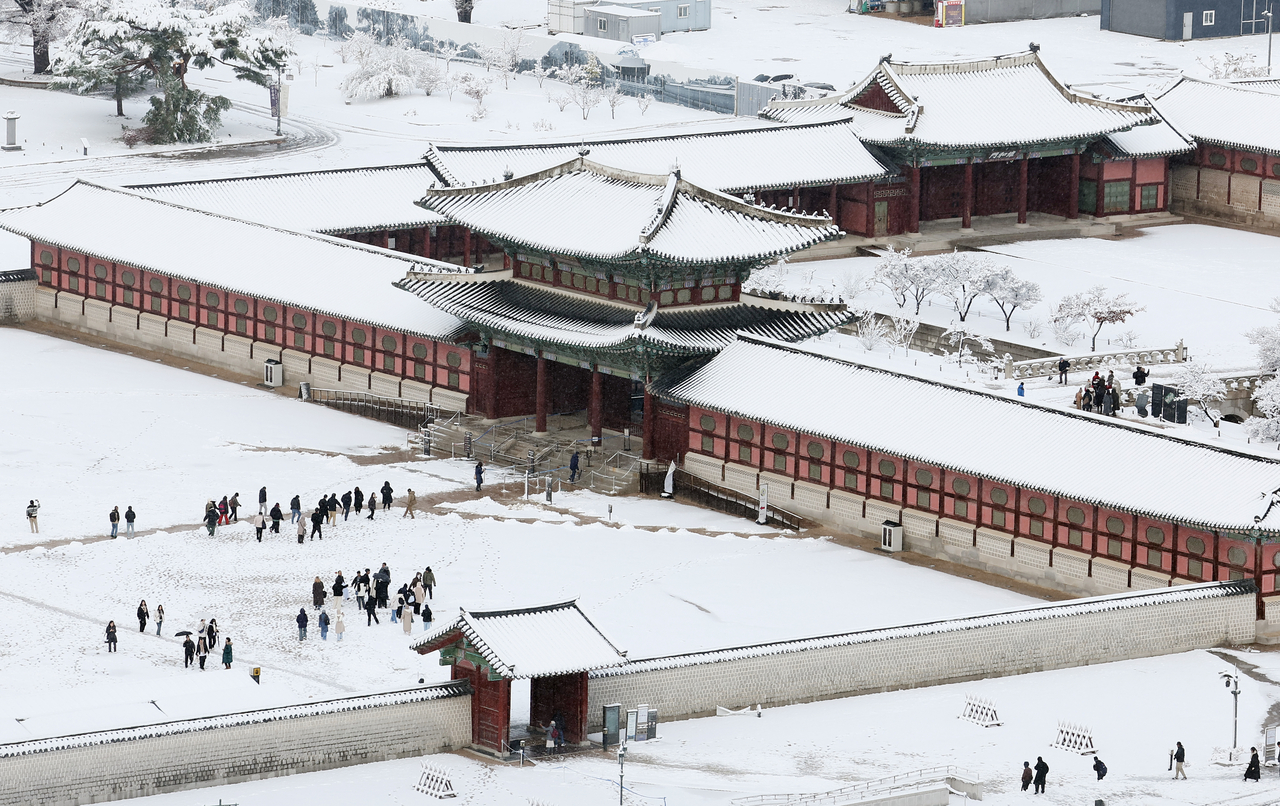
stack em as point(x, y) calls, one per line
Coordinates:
point(181, 633)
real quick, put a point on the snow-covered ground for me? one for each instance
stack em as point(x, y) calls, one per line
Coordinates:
point(1137, 710)
point(165, 441)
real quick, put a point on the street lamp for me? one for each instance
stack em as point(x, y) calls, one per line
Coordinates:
point(1232, 681)
point(622, 757)
point(1267, 14)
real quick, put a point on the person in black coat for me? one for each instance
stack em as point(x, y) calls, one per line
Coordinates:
point(143, 615)
point(302, 624)
point(262, 501)
point(1140, 376)
point(339, 585)
point(1099, 768)
point(129, 517)
point(331, 507)
point(371, 610)
point(1042, 774)
point(359, 500)
point(188, 652)
point(111, 636)
point(573, 467)
point(317, 520)
point(1063, 366)
point(346, 504)
point(295, 509)
point(276, 516)
point(386, 495)
point(373, 505)
point(479, 474)
point(1254, 771)
point(211, 520)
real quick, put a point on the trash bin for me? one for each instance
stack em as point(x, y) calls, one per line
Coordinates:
point(272, 373)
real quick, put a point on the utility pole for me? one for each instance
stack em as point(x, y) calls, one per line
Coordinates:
point(279, 99)
point(1267, 14)
point(1232, 682)
point(622, 757)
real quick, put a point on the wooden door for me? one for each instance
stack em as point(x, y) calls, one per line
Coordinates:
point(882, 219)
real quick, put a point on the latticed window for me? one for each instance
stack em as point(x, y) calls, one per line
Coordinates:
point(1115, 196)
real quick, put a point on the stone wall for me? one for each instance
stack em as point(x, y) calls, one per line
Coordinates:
point(1253, 202)
point(113, 765)
point(17, 296)
point(227, 351)
point(1035, 639)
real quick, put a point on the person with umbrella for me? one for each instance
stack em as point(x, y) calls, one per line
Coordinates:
point(226, 653)
point(188, 648)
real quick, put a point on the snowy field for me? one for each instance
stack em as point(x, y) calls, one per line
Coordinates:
point(658, 577)
point(1137, 710)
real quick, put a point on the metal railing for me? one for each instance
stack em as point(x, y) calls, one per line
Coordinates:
point(703, 493)
point(863, 789)
point(1041, 367)
point(399, 411)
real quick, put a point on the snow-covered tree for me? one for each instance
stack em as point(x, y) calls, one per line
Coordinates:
point(447, 52)
point(476, 88)
point(870, 330)
point(383, 73)
point(1010, 293)
point(893, 272)
point(964, 339)
point(42, 20)
point(962, 277)
point(510, 52)
point(357, 47)
point(1233, 66)
point(337, 24)
point(586, 96)
point(613, 98)
point(539, 74)
point(1266, 400)
point(1096, 308)
point(1195, 380)
point(902, 329)
point(643, 101)
point(162, 41)
point(428, 77)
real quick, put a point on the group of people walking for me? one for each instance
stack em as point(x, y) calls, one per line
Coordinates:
point(325, 512)
point(371, 592)
point(113, 517)
point(206, 642)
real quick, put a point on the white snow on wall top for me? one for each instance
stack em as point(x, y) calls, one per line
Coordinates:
point(1080, 456)
point(589, 210)
point(1075, 607)
point(532, 642)
point(321, 201)
point(731, 162)
point(1153, 140)
point(329, 275)
point(455, 688)
point(1228, 115)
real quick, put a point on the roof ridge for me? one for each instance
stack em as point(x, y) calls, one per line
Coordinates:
point(517, 611)
point(284, 175)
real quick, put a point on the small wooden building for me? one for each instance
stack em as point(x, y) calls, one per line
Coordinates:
point(553, 646)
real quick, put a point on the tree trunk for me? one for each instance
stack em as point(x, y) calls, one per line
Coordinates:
point(119, 95)
point(464, 15)
point(40, 54)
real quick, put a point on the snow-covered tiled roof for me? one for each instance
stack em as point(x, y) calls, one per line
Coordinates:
point(328, 275)
point(1153, 140)
point(587, 210)
point(341, 201)
point(1226, 115)
point(529, 642)
point(1006, 440)
point(567, 319)
point(730, 161)
point(456, 688)
point(1044, 612)
point(989, 103)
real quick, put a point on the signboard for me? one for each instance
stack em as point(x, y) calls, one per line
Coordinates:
point(644, 39)
point(642, 724)
point(279, 100)
point(948, 14)
point(762, 509)
point(632, 724)
point(612, 723)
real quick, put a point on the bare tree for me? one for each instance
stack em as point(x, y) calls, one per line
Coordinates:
point(510, 54)
point(1097, 309)
point(447, 52)
point(962, 277)
point(1196, 381)
point(614, 99)
point(643, 102)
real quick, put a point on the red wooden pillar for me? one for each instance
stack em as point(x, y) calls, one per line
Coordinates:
point(595, 408)
point(913, 210)
point(1099, 211)
point(833, 208)
point(1134, 193)
point(466, 247)
point(426, 243)
point(966, 217)
point(1022, 190)
point(1073, 198)
point(540, 404)
point(649, 420)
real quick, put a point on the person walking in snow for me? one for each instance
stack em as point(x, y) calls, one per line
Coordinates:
point(339, 585)
point(226, 654)
point(302, 624)
point(362, 588)
point(346, 504)
point(1179, 756)
point(32, 509)
point(573, 467)
point(406, 618)
point(426, 617)
point(382, 584)
point(143, 615)
point(1022, 391)
point(111, 636)
point(359, 501)
point(429, 580)
point(317, 593)
point(211, 634)
point(317, 520)
point(371, 610)
point(479, 474)
point(159, 618)
point(331, 508)
point(295, 508)
point(259, 523)
point(114, 517)
point(410, 500)
point(200, 630)
point(223, 510)
point(1042, 775)
point(419, 595)
point(373, 505)
point(338, 627)
point(262, 501)
point(276, 517)
point(129, 517)
point(302, 530)
point(202, 652)
point(1063, 366)
point(324, 626)
point(188, 652)
point(1099, 768)
point(211, 520)
point(386, 495)
point(1027, 775)
point(1254, 771)
point(234, 506)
